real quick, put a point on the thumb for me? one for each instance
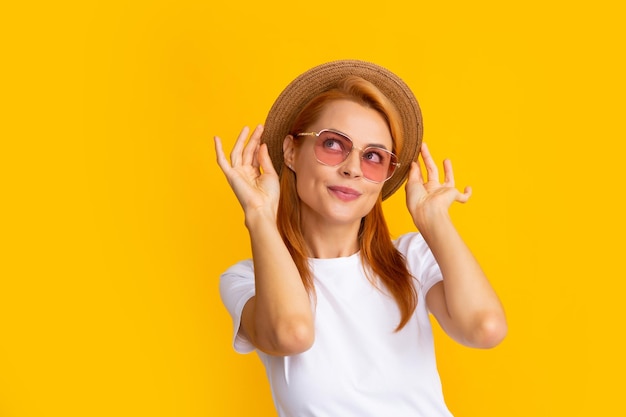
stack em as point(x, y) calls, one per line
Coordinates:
point(464, 197)
point(265, 160)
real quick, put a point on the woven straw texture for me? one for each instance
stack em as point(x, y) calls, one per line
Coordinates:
point(324, 77)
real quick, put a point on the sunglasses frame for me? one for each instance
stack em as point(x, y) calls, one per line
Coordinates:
point(361, 150)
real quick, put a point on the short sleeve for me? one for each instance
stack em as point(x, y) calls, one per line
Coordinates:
point(420, 260)
point(236, 288)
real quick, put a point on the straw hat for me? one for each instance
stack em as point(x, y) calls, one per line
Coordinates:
point(324, 77)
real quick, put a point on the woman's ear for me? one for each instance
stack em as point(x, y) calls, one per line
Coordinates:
point(289, 150)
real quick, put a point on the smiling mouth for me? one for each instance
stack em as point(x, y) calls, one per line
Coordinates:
point(344, 193)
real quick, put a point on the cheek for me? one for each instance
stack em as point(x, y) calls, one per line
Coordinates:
point(308, 178)
point(374, 197)
point(306, 166)
point(304, 153)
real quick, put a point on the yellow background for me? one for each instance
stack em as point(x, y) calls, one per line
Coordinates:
point(117, 221)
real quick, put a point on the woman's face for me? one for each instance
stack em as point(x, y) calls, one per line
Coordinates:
point(338, 194)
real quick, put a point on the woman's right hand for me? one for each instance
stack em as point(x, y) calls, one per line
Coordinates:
point(278, 319)
point(250, 172)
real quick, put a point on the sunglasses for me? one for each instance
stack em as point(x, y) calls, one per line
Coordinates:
point(332, 148)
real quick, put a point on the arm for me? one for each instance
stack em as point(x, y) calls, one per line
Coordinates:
point(464, 303)
point(278, 320)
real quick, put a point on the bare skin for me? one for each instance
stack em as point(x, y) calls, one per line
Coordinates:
point(464, 303)
point(278, 320)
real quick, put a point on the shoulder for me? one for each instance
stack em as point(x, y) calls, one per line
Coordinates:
point(244, 268)
point(419, 259)
point(239, 275)
point(411, 243)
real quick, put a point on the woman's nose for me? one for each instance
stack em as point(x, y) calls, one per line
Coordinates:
point(351, 167)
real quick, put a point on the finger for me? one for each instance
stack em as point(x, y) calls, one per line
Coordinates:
point(255, 157)
point(415, 174)
point(235, 154)
point(252, 148)
point(463, 197)
point(265, 160)
point(429, 163)
point(219, 153)
point(448, 173)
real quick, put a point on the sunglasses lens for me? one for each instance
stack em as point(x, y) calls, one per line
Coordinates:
point(332, 148)
point(377, 164)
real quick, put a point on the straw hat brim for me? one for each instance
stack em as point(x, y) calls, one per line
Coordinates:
point(323, 78)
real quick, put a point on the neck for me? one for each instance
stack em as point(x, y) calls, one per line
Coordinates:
point(331, 241)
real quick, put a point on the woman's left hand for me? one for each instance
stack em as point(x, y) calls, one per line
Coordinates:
point(464, 303)
point(426, 199)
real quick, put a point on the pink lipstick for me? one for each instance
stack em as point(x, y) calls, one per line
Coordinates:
point(344, 193)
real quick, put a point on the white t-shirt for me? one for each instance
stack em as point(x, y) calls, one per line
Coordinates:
point(358, 366)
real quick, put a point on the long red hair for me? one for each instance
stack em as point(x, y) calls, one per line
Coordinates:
point(377, 250)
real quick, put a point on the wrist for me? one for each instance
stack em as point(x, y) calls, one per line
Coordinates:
point(428, 223)
point(259, 216)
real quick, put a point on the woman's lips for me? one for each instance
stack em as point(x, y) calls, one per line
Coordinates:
point(344, 193)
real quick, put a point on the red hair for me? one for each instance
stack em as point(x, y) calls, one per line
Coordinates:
point(377, 250)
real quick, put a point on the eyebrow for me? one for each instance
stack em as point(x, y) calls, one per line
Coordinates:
point(367, 145)
point(376, 145)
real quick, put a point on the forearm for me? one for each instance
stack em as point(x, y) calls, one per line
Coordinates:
point(281, 319)
point(471, 303)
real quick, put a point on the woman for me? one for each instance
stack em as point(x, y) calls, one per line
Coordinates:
point(337, 311)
